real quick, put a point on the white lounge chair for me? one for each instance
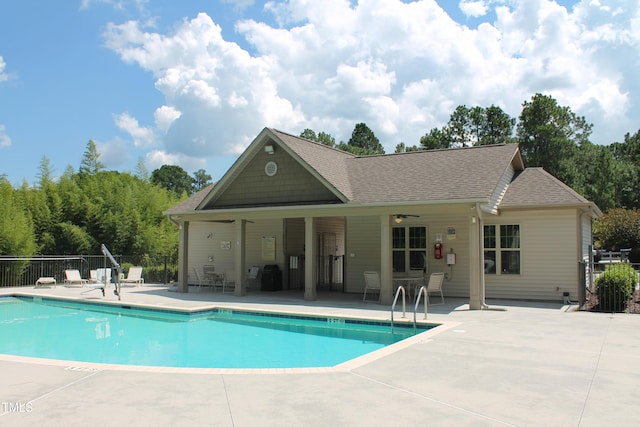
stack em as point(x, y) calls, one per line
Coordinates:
point(103, 275)
point(372, 284)
point(93, 276)
point(134, 276)
point(46, 281)
point(435, 284)
point(72, 277)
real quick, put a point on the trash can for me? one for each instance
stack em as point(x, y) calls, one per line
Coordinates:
point(271, 278)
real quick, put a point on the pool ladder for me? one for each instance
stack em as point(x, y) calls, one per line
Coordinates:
point(421, 292)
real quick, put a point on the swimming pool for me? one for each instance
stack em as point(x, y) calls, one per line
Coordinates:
point(218, 338)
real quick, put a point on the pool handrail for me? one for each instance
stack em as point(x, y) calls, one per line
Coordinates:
point(393, 306)
point(422, 291)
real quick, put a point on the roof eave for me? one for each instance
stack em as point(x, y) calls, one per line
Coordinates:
point(591, 207)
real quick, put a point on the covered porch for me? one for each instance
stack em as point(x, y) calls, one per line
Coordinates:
point(331, 252)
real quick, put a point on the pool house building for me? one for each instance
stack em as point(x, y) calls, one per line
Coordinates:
point(308, 217)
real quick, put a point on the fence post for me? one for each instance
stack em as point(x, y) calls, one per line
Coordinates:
point(165, 269)
point(582, 288)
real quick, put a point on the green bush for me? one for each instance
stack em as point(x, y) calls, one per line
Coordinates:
point(615, 287)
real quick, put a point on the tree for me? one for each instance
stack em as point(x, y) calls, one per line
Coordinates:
point(39, 214)
point(322, 137)
point(72, 239)
point(91, 164)
point(401, 148)
point(618, 229)
point(16, 229)
point(549, 136)
point(173, 178)
point(463, 126)
point(498, 127)
point(141, 170)
point(362, 142)
point(626, 170)
point(595, 178)
point(326, 139)
point(200, 180)
point(471, 126)
point(45, 172)
point(308, 134)
point(435, 139)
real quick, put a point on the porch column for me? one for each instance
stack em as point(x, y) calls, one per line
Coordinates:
point(240, 262)
point(310, 292)
point(476, 267)
point(386, 269)
point(183, 257)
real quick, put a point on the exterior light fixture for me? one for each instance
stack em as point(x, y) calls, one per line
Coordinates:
point(398, 218)
point(269, 149)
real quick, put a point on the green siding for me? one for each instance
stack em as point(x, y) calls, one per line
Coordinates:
point(292, 184)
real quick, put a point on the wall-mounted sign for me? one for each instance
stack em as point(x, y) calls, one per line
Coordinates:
point(451, 233)
point(269, 248)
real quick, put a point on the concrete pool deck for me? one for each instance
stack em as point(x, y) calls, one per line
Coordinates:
point(517, 363)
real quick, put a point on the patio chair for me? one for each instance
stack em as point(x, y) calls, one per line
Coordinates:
point(372, 285)
point(103, 275)
point(212, 277)
point(252, 275)
point(435, 284)
point(46, 281)
point(134, 275)
point(72, 277)
point(199, 279)
point(229, 280)
point(93, 276)
point(417, 276)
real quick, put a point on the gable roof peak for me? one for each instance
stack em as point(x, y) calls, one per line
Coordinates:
point(280, 134)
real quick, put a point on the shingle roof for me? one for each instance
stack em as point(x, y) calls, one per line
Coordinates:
point(535, 187)
point(465, 173)
point(192, 202)
point(460, 174)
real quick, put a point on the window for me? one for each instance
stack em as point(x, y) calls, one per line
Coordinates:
point(502, 249)
point(409, 247)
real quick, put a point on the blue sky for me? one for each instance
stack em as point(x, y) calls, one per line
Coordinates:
point(192, 82)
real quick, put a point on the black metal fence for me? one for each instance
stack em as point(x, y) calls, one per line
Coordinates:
point(620, 294)
point(21, 271)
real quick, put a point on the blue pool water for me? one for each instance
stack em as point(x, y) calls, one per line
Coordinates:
point(219, 338)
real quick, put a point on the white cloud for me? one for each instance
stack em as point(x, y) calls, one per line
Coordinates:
point(142, 136)
point(474, 8)
point(158, 158)
point(113, 154)
point(165, 116)
point(401, 68)
point(5, 141)
point(3, 76)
